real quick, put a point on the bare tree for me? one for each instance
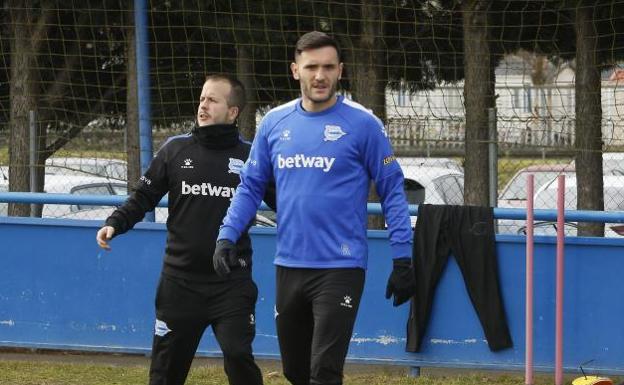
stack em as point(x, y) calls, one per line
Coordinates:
point(64, 96)
point(588, 131)
point(27, 29)
point(479, 97)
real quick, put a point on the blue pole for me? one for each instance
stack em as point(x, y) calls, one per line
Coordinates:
point(143, 85)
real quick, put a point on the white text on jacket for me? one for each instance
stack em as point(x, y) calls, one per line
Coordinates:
point(207, 189)
point(303, 161)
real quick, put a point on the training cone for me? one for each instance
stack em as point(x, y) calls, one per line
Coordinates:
point(592, 380)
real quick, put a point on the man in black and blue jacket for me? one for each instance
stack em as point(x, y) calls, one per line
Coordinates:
point(200, 172)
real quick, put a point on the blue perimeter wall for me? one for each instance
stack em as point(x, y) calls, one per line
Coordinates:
point(60, 291)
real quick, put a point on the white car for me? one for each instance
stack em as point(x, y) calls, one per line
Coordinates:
point(79, 185)
point(4, 174)
point(108, 168)
point(546, 198)
point(514, 194)
point(99, 212)
point(430, 162)
point(103, 212)
point(433, 185)
point(93, 185)
point(86, 185)
point(612, 163)
point(71, 184)
point(4, 187)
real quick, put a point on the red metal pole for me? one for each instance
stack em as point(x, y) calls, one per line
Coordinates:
point(528, 342)
point(559, 282)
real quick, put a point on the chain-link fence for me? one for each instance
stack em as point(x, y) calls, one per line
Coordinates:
point(547, 77)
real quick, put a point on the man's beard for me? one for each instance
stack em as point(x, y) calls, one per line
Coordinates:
point(330, 95)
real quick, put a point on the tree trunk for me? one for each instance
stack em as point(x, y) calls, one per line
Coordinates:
point(245, 73)
point(40, 159)
point(133, 147)
point(588, 131)
point(23, 99)
point(478, 96)
point(368, 80)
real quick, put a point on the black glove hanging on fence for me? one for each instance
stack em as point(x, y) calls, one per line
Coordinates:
point(402, 281)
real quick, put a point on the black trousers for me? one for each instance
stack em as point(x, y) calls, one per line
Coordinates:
point(468, 233)
point(183, 312)
point(315, 312)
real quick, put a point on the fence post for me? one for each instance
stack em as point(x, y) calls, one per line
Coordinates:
point(143, 85)
point(493, 156)
point(32, 120)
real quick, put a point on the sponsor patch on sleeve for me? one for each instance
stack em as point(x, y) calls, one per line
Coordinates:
point(389, 159)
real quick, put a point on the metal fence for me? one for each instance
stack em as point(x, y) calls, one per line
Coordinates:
point(74, 66)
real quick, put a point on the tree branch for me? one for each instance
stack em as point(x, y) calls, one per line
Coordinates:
point(54, 94)
point(75, 129)
point(41, 27)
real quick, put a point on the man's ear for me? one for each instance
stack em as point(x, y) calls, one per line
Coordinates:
point(295, 70)
point(233, 113)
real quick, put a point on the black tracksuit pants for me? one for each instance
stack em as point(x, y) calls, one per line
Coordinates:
point(468, 233)
point(184, 309)
point(315, 312)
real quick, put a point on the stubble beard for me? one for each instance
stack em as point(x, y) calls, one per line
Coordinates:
point(317, 100)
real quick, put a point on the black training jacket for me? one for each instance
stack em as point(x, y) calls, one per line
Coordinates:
point(200, 171)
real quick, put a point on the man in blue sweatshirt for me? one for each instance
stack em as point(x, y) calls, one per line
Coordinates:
point(322, 150)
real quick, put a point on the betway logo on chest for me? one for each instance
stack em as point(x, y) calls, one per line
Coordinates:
point(303, 161)
point(207, 189)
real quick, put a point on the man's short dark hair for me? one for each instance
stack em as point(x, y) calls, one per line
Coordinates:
point(237, 97)
point(313, 40)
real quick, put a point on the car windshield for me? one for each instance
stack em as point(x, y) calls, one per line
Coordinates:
point(451, 189)
point(613, 198)
point(516, 190)
point(110, 168)
point(97, 189)
point(119, 189)
point(414, 192)
point(71, 169)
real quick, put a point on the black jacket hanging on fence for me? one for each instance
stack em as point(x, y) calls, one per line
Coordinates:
point(468, 233)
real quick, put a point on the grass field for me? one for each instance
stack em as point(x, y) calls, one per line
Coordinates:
point(39, 372)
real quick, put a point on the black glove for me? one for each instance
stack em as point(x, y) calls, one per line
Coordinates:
point(224, 257)
point(402, 282)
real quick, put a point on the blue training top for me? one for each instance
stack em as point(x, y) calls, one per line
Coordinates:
point(322, 163)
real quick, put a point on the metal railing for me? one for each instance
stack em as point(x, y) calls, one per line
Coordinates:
point(373, 208)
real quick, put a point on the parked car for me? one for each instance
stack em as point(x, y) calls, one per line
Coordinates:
point(71, 184)
point(514, 194)
point(4, 174)
point(108, 168)
point(82, 184)
point(431, 162)
point(4, 187)
point(103, 212)
point(433, 185)
point(612, 163)
point(79, 185)
point(546, 198)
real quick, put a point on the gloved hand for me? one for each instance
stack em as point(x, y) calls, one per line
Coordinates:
point(224, 257)
point(402, 281)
